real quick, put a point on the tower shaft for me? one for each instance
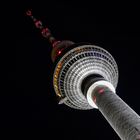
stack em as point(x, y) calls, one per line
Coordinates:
point(120, 116)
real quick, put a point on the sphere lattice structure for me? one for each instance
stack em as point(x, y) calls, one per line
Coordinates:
point(75, 66)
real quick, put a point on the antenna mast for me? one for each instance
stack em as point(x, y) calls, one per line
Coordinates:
point(45, 31)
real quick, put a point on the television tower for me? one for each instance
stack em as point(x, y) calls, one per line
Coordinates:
point(85, 77)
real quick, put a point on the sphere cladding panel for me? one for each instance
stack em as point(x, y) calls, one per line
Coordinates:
point(77, 64)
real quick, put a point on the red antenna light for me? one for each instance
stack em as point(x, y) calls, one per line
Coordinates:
point(101, 91)
point(59, 52)
point(29, 13)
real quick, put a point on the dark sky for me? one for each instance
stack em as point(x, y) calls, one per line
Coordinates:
point(31, 102)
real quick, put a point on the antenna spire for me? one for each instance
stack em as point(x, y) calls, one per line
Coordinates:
point(45, 31)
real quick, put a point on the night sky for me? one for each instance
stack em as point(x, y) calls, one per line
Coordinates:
point(31, 102)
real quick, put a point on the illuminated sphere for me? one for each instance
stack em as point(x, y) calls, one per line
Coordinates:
point(74, 66)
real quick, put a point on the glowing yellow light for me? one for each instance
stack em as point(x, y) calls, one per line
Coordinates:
point(59, 95)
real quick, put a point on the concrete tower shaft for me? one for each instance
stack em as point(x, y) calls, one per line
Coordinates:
point(124, 120)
